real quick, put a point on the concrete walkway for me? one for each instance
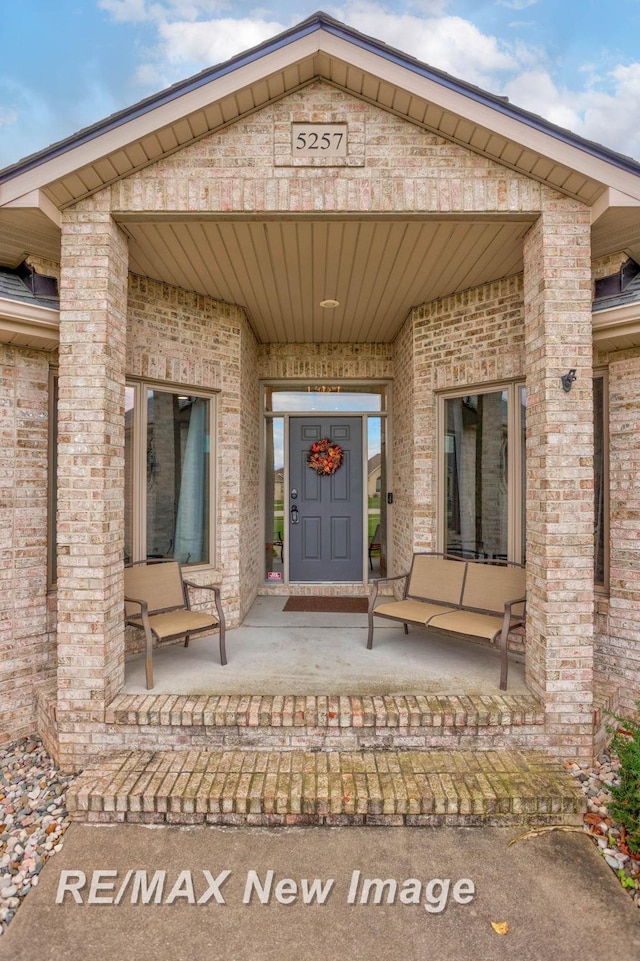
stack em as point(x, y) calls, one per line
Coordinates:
point(276, 651)
point(558, 896)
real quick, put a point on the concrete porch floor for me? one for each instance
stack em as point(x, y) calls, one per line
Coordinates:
point(275, 652)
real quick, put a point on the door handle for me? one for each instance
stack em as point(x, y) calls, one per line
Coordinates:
point(294, 515)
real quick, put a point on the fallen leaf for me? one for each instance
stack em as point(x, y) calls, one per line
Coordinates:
point(593, 818)
point(500, 927)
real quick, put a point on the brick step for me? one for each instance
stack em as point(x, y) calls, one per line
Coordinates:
point(313, 722)
point(273, 788)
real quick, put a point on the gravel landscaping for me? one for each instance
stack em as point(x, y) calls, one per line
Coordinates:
point(33, 820)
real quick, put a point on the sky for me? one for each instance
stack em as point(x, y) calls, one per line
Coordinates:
point(68, 63)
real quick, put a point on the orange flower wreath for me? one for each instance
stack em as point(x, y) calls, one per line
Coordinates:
point(324, 457)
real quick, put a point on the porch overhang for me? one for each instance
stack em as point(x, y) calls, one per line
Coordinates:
point(280, 267)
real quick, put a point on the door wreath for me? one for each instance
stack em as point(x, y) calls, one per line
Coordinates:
point(324, 457)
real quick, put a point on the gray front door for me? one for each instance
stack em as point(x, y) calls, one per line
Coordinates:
point(325, 512)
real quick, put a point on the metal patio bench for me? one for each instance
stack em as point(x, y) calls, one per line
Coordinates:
point(479, 599)
point(156, 598)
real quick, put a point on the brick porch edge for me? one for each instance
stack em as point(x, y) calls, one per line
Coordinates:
point(413, 788)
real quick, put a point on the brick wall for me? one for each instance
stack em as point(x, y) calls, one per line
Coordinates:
point(403, 449)
point(250, 540)
point(26, 645)
point(90, 528)
point(560, 606)
point(181, 337)
point(325, 361)
point(396, 167)
point(618, 637)
point(472, 338)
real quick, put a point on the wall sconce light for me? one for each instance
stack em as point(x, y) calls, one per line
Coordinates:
point(568, 379)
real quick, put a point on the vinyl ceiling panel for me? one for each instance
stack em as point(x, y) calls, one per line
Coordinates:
point(280, 270)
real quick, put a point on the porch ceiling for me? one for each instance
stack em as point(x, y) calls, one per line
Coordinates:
point(280, 269)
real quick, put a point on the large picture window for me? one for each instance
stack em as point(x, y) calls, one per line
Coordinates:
point(482, 470)
point(168, 474)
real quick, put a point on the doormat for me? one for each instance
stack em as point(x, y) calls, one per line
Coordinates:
point(328, 605)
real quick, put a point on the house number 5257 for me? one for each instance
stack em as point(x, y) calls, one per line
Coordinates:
point(319, 140)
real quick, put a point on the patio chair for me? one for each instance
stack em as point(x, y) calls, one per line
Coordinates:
point(374, 545)
point(157, 602)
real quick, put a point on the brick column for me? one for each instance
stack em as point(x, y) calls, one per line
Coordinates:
point(557, 296)
point(93, 304)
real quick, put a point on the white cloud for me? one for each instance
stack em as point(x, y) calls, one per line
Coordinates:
point(449, 43)
point(213, 41)
point(517, 4)
point(8, 116)
point(190, 35)
point(606, 110)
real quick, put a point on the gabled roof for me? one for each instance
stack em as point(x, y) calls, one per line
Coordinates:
point(316, 22)
point(476, 250)
point(624, 291)
point(15, 285)
point(319, 47)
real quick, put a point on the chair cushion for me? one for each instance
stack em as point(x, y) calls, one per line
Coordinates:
point(468, 622)
point(418, 612)
point(176, 623)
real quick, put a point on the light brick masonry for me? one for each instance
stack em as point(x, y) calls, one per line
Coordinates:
point(113, 325)
point(413, 788)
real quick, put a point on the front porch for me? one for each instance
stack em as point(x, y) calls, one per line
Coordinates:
point(275, 651)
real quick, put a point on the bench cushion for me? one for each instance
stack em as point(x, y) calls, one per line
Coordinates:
point(489, 586)
point(176, 623)
point(436, 579)
point(410, 609)
point(468, 622)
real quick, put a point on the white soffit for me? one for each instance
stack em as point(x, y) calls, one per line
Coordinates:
point(280, 269)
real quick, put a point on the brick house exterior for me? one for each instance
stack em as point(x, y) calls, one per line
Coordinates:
point(121, 216)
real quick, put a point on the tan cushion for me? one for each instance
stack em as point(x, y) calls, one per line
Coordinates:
point(160, 585)
point(410, 610)
point(490, 586)
point(176, 623)
point(436, 579)
point(467, 622)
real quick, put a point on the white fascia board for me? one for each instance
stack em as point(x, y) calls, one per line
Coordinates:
point(37, 200)
point(611, 198)
point(616, 321)
point(33, 315)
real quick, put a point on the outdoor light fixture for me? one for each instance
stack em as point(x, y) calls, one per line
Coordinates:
point(568, 379)
point(329, 304)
